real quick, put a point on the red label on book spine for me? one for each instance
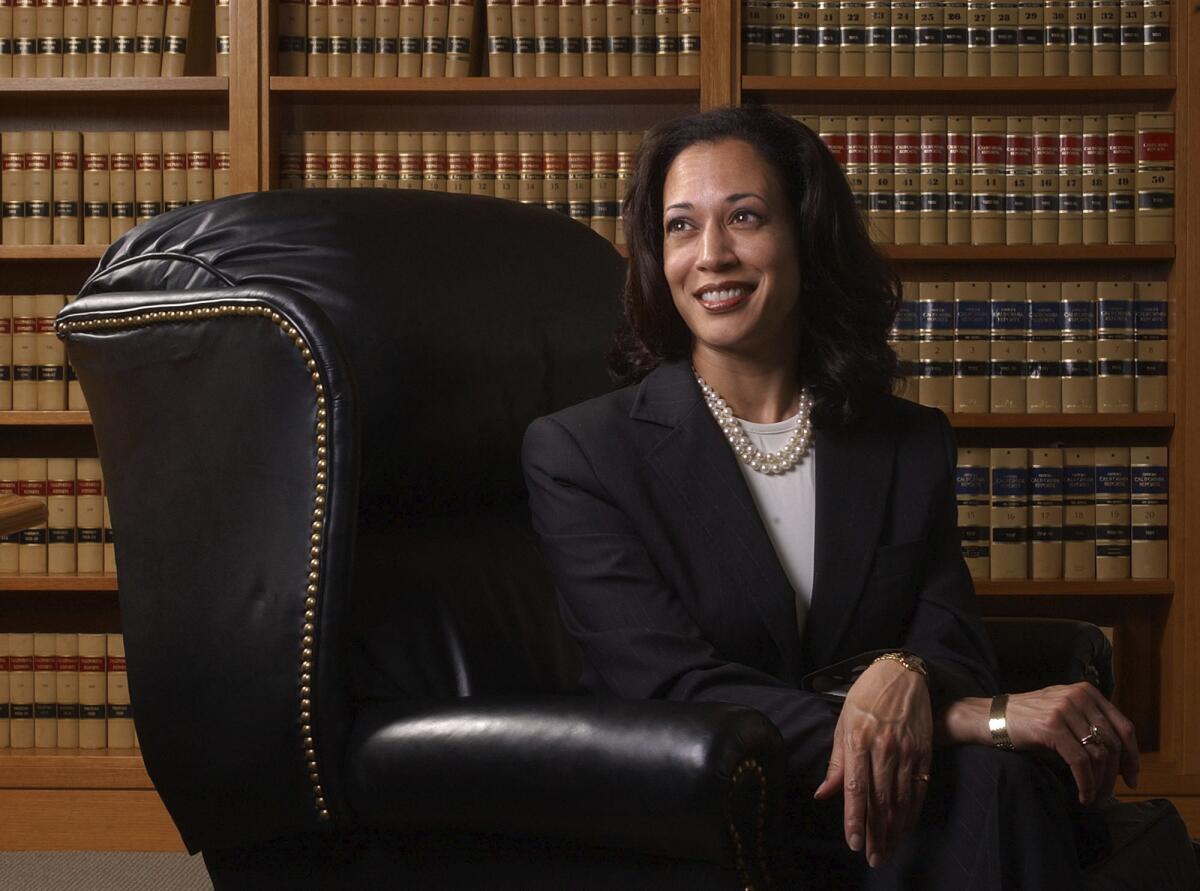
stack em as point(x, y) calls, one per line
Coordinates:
point(121, 161)
point(174, 161)
point(858, 149)
point(1121, 151)
point(1019, 147)
point(89, 487)
point(66, 161)
point(61, 487)
point(987, 150)
point(95, 161)
point(37, 161)
point(933, 149)
point(836, 143)
point(1070, 150)
point(43, 663)
point(883, 149)
point(66, 663)
point(149, 161)
point(32, 488)
point(116, 663)
point(91, 663)
point(1156, 147)
point(1045, 150)
point(1095, 150)
point(20, 663)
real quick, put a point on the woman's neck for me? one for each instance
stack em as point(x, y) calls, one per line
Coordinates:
point(756, 391)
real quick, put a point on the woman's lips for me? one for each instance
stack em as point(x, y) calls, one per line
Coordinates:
point(720, 306)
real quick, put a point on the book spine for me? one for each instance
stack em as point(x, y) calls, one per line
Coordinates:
point(829, 38)
point(1155, 219)
point(1070, 180)
point(971, 478)
point(174, 170)
point(25, 42)
point(45, 712)
point(532, 173)
point(362, 159)
point(66, 694)
point(49, 24)
point(878, 62)
point(1112, 513)
point(1046, 513)
point(340, 18)
point(292, 30)
point(1043, 348)
point(12, 188)
point(121, 183)
point(1079, 49)
point(906, 179)
point(628, 143)
point(1045, 186)
point(1031, 38)
point(1010, 514)
point(594, 36)
point(955, 38)
point(124, 38)
point(89, 517)
point(905, 339)
point(93, 692)
point(1018, 180)
point(972, 347)
point(755, 36)
point(1057, 40)
point(199, 145)
point(779, 38)
point(412, 27)
point(958, 179)
point(291, 160)
point(10, 544)
point(337, 159)
point(1149, 511)
point(930, 20)
point(110, 553)
point(6, 48)
point(852, 38)
point(460, 35)
point(31, 483)
point(95, 188)
point(148, 175)
point(433, 161)
point(881, 161)
point(619, 42)
point(362, 38)
point(1003, 21)
point(1133, 24)
point(175, 38)
point(315, 159)
point(61, 519)
point(74, 38)
point(641, 29)
point(979, 38)
point(39, 186)
point(1150, 345)
point(554, 171)
point(151, 17)
point(410, 160)
point(857, 165)
point(1095, 179)
point(483, 164)
point(24, 353)
point(579, 176)
point(500, 38)
point(935, 324)
point(987, 179)
point(458, 162)
point(317, 41)
point(1122, 171)
point(688, 43)
point(221, 164)
point(433, 38)
point(1114, 347)
point(1010, 325)
point(118, 711)
point(51, 354)
point(1106, 38)
point(5, 739)
point(99, 30)
point(1156, 46)
point(387, 38)
point(386, 161)
point(546, 38)
point(223, 34)
point(904, 38)
point(75, 398)
point(604, 183)
point(6, 355)
point(20, 690)
point(666, 38)
point(1079, 347)
point(66, 185)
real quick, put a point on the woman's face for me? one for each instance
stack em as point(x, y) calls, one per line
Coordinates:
point(729, 251)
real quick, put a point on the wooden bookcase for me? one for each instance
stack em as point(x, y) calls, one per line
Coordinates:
point(105, 800)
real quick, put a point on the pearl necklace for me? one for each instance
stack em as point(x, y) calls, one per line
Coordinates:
point(781, 461)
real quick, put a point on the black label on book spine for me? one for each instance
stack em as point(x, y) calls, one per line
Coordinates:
point(362, 46)
point(1046, 533)
point(1150, 533)
point(614, 44)
point(150, 45)
point(1009, 534)
point(50, 46)
point(124, 45)
point(149, 208)
point(119, 711)
point(25, 46)
point(1148, 368)
point(45, 710)
point(62, 536)
point(1079, 533)
point(643, 45)
point(122, 210)
point(318, 46)
point(437, 45)
point(291, 43)
point(98, 46)
point(68, 710)
point(1032, 37)
point(177, 46)
point(1081, 35)
point(904, 36)
point(66, 209)
point(390, 46)
point(91, 712)
point(50, 373)
point(462, 46)
point(74, 46)
point(973, 533)
point(929, 37)
point(339, 46)
point(1156, 200)
point(591, 45)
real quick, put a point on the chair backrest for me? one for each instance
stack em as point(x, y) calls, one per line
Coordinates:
point(309, 407)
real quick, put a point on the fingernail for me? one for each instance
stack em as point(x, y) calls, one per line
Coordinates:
point(874, 861)
point(856, 842)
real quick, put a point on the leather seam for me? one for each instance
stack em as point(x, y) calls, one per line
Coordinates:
point(159, 255)
point(752, 767)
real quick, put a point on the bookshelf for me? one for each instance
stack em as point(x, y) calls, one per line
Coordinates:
point(104, 800)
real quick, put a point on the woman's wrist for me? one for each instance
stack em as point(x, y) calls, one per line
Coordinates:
point(965, 721)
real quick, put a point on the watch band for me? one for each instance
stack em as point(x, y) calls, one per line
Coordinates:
point(912, 663)
point(998, 722)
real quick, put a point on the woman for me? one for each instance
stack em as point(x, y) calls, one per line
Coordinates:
point(756, 505)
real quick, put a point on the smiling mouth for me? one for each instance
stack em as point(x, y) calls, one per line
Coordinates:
point(725, 299)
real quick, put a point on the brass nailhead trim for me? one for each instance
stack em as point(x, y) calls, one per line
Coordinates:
point(752, 766)
point(138, 320)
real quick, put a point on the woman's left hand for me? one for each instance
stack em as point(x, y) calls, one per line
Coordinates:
point(882, 743)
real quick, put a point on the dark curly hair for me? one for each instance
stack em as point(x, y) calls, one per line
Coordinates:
point(849, 293)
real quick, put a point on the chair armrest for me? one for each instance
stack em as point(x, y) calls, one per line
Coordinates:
point(689, 780)
point(1035, 653)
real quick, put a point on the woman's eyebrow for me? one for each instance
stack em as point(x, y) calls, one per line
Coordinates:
point(729, 199)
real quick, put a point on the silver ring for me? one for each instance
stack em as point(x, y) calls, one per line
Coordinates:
point(1094, 736)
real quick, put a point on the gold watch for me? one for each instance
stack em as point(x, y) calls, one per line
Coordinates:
point(909, 660)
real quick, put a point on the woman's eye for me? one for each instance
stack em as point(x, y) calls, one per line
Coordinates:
point(676, 225)
point(744, 216)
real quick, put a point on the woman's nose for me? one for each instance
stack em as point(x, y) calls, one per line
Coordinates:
point(716, 248)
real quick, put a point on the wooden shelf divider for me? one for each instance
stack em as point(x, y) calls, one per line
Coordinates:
point(1147, 420)
point(102, 86)
point(1076, 588)
point(613, 87)
point(970, 89)
point(45, 419)
point(52, 252)
point(73, 769)
point(1041, 253)
point(97, 583)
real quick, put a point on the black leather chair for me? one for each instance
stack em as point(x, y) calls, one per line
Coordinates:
point(344, 654)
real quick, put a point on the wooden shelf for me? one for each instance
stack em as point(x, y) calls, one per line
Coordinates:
point(1146, 420)
point(1076, 588)
point(96, 583)
point(961, 89)
point(410, 87)
point(108, 86)
point(45, 419)
point(73, 769)
point(52, 252)
point(1040, 253)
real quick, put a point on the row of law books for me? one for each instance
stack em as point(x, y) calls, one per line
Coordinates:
point(582, 174)
point(956, 38)
point(64, 691)
point(76, 538)
point(34, 372)
point(1064, 513)
point(1034, 347)
point(96, 38)
point(993, 179)
point(67, 187)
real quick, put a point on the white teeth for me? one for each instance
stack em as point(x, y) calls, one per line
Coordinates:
point(727, 294)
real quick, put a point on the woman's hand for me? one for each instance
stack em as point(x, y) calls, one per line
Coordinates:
point(883, 741)
point(1058, 719)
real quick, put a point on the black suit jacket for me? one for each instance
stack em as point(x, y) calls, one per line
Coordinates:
point(668, 580)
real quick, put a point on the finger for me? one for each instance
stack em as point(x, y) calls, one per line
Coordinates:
point(881, 804)
point(835, 773)
point(854, 789)
point(1080, 763)
point(920, 788)
point(1108, 746)
point(1124, 731)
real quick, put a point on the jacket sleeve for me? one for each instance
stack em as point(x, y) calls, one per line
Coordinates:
point(946, 630)
point(637, 638)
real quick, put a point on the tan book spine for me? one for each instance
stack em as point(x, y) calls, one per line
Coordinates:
point(110, 553)
point(1112, 513)
point(291, 28)
point(1114, 347)
point(756, 36)
point(121, 187)
point(409, 161)
point(151, 17)
point(905, 340)
point(666, 38)
point(25, 40)
point(66, 689)
point(500, 38)
point(1148, 514)
point(483, 164)
point(387, 161)
point(1057, 38)
point(570, 38)
point(20, 690)
point(1095, 179)
point(857, 161)
point(45, 682)
point(4, 691)
point(124, 38)
point(89, 517)
point(628, 143)
point(51, 354)
point(554, 171)
point(75, 397)
point(1154, 222)
point(223, 34)
point(1045, 185)
point(176, 27)
point(689, 37)
point(641, 29)
point(1018, 180)
point(1031, 36)
point(881, 169)
point(972, 347)
point(604, 183)
point(39, 186)
point(594, 31)
point(12, 187)
point(955, 38)
point(362, 38)
point(778, 37)
point(460, 39)
point(24, 352)
point(1079, 50)
point(75, 38)
point(1046, 513)
point(531, 166)
point(1010, 514)
point(579, 176)
point(987, 179)
point(852, 39)
point(67, 187)
point(1010, 326)
point(6, 358)
point(31, 483)
point(433, 38)
point(1043, 348)
point(6, 63)
point(412, 26)
point(979, 38)
point(10, 544)
point(1156, 47)
point(1150, 345)
point(222, 183)
point(904, 38)
point(119, 712)
point(99, 29)
point(935, 325)
point(1070, 180)
point(93, 691)
point(974, 511)
point(337, 159)
point(315, 159)
point(508, 164)
point(341, 38)
point(547, 45)
point(906, 179)
point(930, 16)
point(148, 175)
point(1079, 347)
point(387, 38)
point(317, 42)
point(1122, 171)
point(199, 147)
point(49, 18)
point(95, 188)
point(433, 161)
point(829, 37)
point(1106, 38)
point(458, 162)
point(619, 42)
point(878, 52)
point(1003, 21)
point(1132, 36)
point(362, 159)
point(174, 169)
